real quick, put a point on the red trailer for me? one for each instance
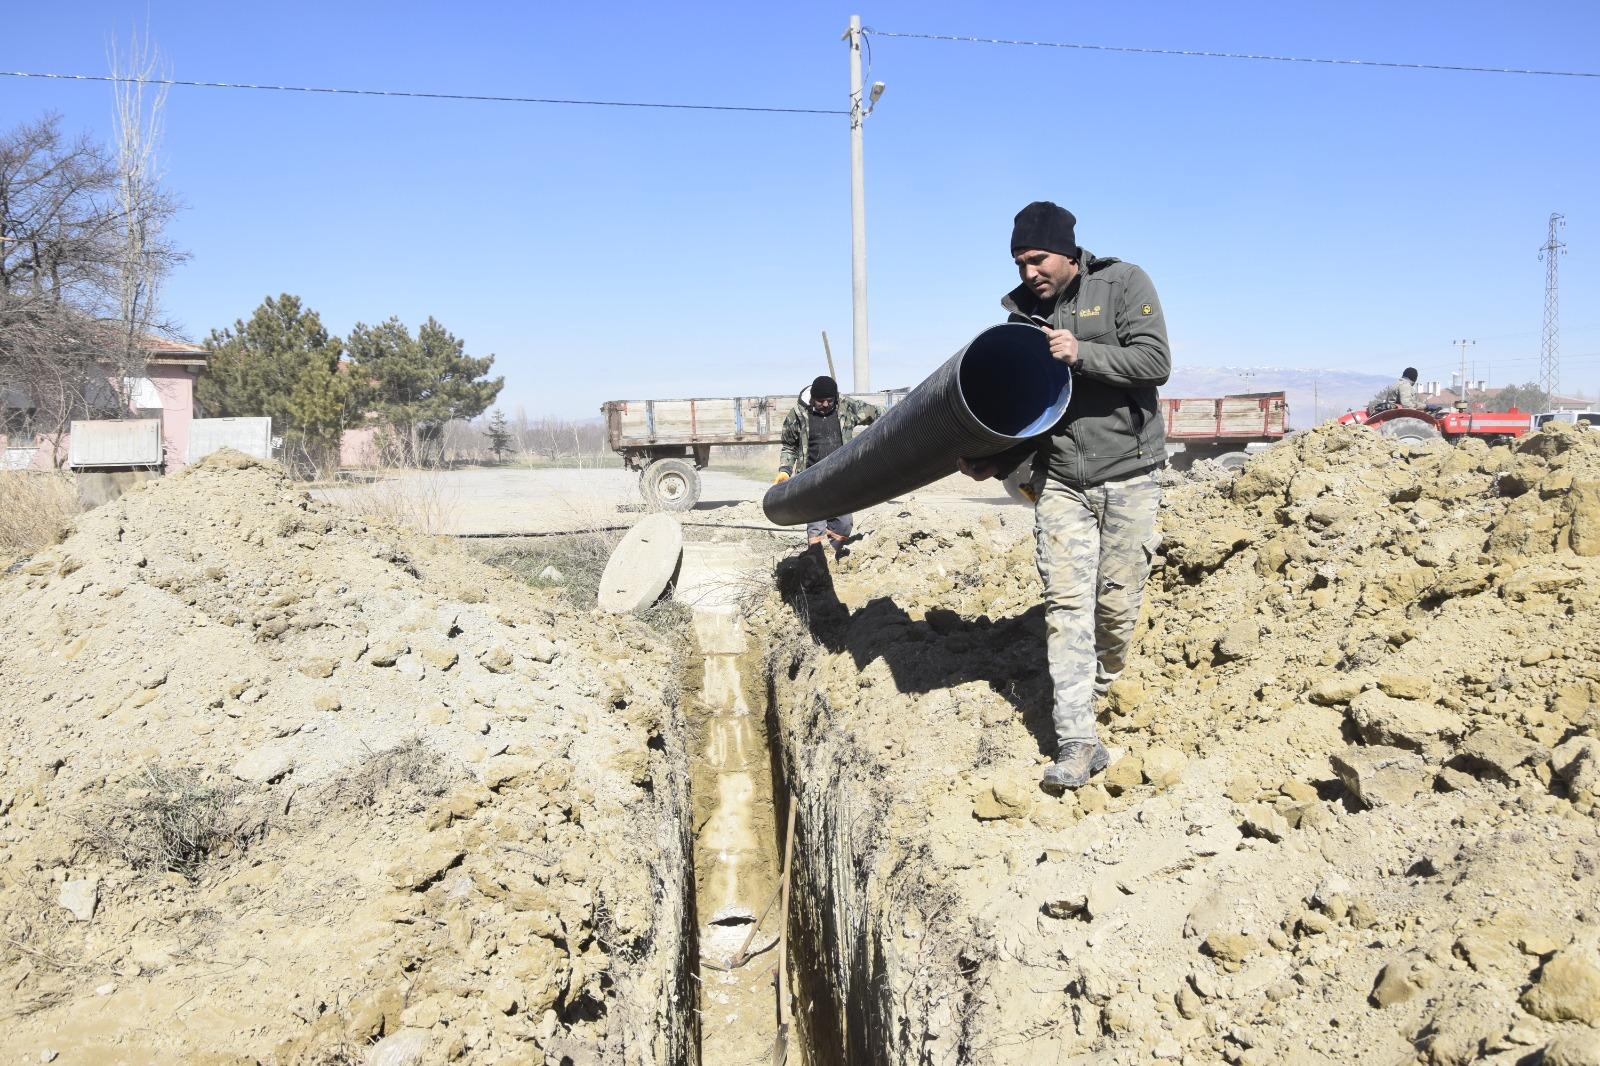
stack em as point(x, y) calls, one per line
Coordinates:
point(1223, 427)
point(1419, 426)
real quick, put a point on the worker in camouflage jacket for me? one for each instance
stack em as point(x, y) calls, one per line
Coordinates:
point(813, 431)
point(1095, 473)
point(1402, 393)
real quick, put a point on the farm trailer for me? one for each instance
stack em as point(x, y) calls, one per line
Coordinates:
point(669, 441)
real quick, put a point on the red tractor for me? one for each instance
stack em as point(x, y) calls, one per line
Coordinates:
point(1419, 425)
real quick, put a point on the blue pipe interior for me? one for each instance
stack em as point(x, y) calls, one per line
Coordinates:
point(1012, 384)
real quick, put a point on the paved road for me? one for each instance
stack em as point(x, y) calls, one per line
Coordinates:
point(540, 501)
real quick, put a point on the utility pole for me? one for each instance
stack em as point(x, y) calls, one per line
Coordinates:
point(859, 110)
point(1462, 403)
point(1550, 354)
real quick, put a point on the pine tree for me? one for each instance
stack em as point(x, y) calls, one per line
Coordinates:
point(499, 436)
point(416, 385)
point(283, 364)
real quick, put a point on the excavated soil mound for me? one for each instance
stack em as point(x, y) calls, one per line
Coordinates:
point(1353, 812)
point(280, 785)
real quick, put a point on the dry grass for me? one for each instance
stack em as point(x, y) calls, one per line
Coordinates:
point(34, 508)
point(168, 820)
point(423, 500)
point(408, 773)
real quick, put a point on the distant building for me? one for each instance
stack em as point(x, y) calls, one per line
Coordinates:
point(164, 391)
point(1480, 396)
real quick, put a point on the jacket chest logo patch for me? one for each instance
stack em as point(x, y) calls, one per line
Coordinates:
point(1147, 310)
point(1088, 312)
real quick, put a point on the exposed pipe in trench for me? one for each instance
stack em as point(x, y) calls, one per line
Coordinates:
point(1001, 389)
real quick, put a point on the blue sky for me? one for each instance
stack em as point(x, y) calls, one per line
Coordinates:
point(1290, 215)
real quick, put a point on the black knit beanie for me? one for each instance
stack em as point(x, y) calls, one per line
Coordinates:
point(1410, 374)
point(824, 388)
point(1047, 227)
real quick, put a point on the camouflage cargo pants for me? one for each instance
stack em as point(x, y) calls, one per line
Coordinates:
point(1093, 549)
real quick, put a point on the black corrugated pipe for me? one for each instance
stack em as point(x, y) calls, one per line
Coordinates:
point(998, 391)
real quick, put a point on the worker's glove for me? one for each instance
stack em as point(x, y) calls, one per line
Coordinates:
point(783, 475)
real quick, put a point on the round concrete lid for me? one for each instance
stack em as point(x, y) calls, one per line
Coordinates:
point(643, 563)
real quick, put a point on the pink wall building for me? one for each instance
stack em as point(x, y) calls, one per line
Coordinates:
point(166, 391)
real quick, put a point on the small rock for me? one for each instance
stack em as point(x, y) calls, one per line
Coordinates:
point(388, 652)
point(1103, 897)
point(1398, 982)
point(105, 989)
point(1240, 641)
point(80, 898)
point(497, 660)
point(1125, 695)
point(1567, 989)
point(1575, 1049)
point(327, 701)
point(423, 870)
point(153, 677)
point(264, 765)
point(1123, 774)
point(49, 1055)
point(1163, 766)
point(1242, 788)
point(550, 575)
point(1577, 762)
point(1381, 776)
point(1230, 949)
point(439, 658)
point(1339, 689)
point(404, 1048)
point(542, 650)
point(1382, 719)
point(1406, 686)
point(410, 668)
point(1262, 821)
point(251, 695)
point(319, 667)
point(1496, 752)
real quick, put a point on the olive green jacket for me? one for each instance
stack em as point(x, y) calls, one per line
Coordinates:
point(797, 430)
point(1113, 427)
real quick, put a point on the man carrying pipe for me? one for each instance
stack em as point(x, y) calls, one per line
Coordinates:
point(1095, 473)
point(814, 430)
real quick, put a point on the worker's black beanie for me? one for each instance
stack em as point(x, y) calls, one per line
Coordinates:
point(1047, 227)
point(824, 388)
point(1410, 374)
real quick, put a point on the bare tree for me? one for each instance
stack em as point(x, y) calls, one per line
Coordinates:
point(62, 237)
point(140, 94)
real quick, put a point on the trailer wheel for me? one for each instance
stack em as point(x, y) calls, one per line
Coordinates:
point(670, 485)
point(1410, 430)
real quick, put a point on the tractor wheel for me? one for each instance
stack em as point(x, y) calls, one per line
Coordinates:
point(1408, 429)
point(1232, 462)
point(670, 485)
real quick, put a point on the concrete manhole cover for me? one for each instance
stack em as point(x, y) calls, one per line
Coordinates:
point(642, 565)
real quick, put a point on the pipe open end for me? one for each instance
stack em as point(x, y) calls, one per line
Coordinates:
point(1011, 383)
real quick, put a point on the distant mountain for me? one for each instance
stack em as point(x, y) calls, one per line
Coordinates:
point(1328, 393)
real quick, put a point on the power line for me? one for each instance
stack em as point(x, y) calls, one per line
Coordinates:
point(1238, 55)
point(417, 95)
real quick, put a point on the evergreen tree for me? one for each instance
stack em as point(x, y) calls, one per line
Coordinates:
point(499, 436)
point(1529, 397)
point(416, 385)
point(283, 364)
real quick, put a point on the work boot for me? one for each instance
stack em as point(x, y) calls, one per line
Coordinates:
point(1076, 762)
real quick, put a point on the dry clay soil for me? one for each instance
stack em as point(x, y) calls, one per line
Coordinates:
point(1353, 818)
point(283, 785)
point(280, 785)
